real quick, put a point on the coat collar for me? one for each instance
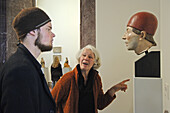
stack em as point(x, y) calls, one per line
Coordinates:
point(30, 56)
point(75, 70)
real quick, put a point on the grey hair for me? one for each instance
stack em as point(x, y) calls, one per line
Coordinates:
point(97, 62)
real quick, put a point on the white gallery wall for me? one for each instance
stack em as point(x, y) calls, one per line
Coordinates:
point(165, 49)
point(117, 62)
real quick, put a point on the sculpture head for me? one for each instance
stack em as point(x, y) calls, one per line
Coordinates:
point(141, 28)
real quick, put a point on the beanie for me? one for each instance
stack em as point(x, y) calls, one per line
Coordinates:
point(144, 21)
point(28, 20)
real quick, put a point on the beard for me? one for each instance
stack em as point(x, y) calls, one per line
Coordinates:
point(41, 46)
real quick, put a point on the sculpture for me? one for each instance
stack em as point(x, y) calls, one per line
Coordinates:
point(139, 34)
point(66, 63)
point(42, 63)
point(66, 67)
point(140, 31)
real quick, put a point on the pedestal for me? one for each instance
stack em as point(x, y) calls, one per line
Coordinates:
point(148, 95)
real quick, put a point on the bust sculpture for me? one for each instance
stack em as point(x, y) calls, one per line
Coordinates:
point(141, 28)
point(140, 31)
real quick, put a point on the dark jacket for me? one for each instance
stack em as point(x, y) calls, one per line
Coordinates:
point(56, 73)
point(66, 93)
point(23, 88)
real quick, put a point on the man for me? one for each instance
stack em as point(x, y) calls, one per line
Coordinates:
point(140, 31)
point(23, 88)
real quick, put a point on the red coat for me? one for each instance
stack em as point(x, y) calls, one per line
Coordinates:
point(66, 93)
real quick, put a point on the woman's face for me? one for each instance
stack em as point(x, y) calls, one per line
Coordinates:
point(87, 59)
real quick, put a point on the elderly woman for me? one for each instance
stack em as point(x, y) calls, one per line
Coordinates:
point(80, 90)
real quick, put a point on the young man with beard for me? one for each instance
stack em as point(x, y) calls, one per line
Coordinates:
point(23, 88)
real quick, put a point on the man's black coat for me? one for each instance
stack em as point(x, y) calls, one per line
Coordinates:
point(23, 88)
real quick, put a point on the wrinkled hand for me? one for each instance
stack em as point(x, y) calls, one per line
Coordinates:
point(120, 86)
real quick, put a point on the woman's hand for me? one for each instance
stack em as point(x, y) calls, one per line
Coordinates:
point(120, 86)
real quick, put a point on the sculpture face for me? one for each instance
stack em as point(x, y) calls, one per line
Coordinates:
point(131, 39)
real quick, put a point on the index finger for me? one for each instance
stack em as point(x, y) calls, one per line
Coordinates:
point(125, 81)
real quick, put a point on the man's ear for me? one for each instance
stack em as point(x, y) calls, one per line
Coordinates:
point(32, 32)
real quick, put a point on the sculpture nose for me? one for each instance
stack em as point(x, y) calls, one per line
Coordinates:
point(124, 36)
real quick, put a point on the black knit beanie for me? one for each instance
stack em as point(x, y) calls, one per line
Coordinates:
point(28, 20)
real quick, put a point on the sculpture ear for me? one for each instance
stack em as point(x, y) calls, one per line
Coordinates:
point(143, 34)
